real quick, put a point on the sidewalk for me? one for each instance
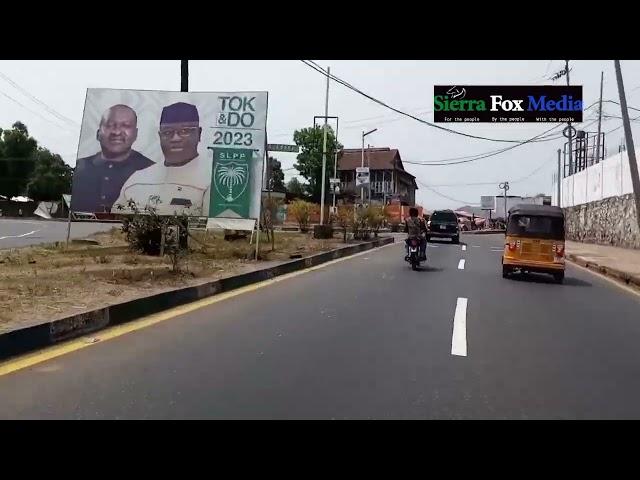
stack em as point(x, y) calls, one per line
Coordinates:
point(621, 263)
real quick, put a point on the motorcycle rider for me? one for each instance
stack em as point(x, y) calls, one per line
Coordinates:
point(415, 227)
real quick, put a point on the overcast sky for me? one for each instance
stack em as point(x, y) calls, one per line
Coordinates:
point(296, 94)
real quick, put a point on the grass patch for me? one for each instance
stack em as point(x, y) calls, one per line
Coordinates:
point(47, 281)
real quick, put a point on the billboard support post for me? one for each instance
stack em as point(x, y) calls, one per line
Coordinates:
point(68, 226)
point(184, 75)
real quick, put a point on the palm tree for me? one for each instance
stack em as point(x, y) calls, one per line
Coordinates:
point(230, 176)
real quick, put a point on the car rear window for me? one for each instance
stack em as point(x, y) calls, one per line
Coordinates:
point(536, 226)
point(444, 217)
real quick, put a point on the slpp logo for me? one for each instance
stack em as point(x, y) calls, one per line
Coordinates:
point(505, 103)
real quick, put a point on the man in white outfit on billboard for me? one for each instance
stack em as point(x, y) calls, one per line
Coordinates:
point(181, 183)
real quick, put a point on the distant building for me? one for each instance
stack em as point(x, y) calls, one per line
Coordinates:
point(390, 182)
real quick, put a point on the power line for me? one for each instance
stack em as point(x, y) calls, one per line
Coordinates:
point(483, 156)
point(378, 122)
point(49, 109)
point(474, 184)
point(319, 69)
point(620, 126)
point(617, 103)
point(443, 195)
point(472, 158)
point(417, 110)
point(32, 111)
point(533, 172)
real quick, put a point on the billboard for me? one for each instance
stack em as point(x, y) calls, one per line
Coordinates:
point(362, 176)
point(194, 153)
point(488, 202)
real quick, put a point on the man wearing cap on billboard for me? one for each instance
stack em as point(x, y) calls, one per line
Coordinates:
point(182, 180)
point(98, 179)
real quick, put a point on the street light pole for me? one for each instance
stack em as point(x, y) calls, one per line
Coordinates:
point(369, 167)
point(559, 177)
point(505, 187)
point(362, 165)
point(364, 134)
point(324, 149)
point(335, 167)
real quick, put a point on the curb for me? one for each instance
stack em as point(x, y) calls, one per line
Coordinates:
point(614, 273)
point(17, 342)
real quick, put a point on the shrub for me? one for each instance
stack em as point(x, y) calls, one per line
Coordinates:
point(344, 218)
point(301, 211)
point(376, 217)
point(144, 229)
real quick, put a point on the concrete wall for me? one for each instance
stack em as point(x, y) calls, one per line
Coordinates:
point(599, 205)
point(609, 178)
point(610, 221)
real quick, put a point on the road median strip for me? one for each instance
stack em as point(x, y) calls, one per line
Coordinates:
point(25, 340)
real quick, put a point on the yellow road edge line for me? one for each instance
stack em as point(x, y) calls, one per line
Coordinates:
point(54, 351)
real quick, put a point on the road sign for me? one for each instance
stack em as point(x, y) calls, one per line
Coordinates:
point(334, 185)
point(488, 202)
point(278, 147)
point(362, 176)
point(569, 132)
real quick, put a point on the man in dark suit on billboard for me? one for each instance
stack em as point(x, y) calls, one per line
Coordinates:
point(98, 179)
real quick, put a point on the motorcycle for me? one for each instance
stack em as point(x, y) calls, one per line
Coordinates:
point(413, 255)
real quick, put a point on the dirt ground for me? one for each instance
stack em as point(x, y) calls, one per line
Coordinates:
point(46, 282)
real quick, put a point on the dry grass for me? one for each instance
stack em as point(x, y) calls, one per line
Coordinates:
point(49, 281)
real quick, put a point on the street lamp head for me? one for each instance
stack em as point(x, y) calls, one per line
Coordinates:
point(370, 131)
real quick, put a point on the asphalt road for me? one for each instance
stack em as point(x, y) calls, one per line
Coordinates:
point(365, 338)
point(21, 233)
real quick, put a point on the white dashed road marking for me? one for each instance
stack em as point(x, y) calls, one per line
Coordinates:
point(459, 338)
point(461, 264)
point(464, 247)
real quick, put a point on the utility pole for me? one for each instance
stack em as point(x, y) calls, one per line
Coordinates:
point(633, 165)
point(362, 165)
point(184, 75)
point(364, 134)
point(559, 176)
point(324, 148)
point(505, 187)
point(571, 171)
point(599, 119)
point(370, 176)
point(335, 167)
